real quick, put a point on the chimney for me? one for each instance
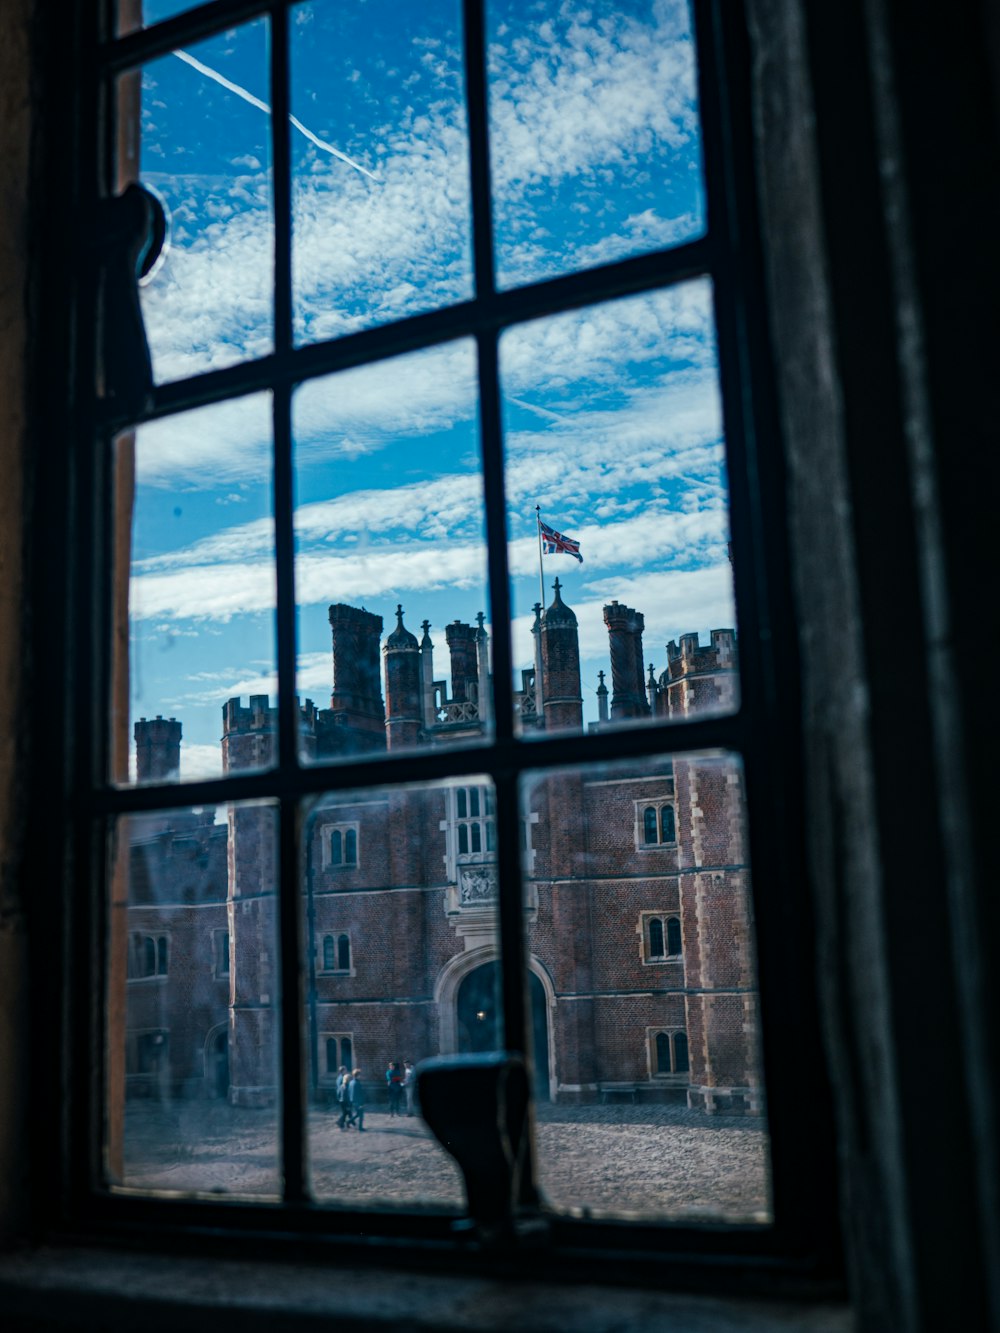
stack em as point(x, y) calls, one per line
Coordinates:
point(157, 749)
point(462, 646)
point(357, 689)
point(561, 667)
point(402, 687)
point(628, 682)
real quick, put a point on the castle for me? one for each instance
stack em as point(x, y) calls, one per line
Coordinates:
point(638, 911)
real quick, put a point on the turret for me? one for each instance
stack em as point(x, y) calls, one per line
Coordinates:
point(157, 749)
point(628, 682)
point(560, 643)
point(402, 686)
point(483, 668)
point(700, 679)
point(427, 676)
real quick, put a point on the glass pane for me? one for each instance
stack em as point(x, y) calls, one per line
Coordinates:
point(193, 1002)
point(380, 164)
point(133, 14)
point(657, 1106)
point(194, 596)
point(595, 134)
point(204, 132)
point(402, 955)
point(390, 547)
point(615, 444)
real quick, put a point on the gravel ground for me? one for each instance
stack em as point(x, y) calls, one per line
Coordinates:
point(611, 1160)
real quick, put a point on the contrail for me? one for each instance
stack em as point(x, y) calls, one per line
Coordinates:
point(263, 106)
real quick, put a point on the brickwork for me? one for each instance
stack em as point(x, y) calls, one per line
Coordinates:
point(399, 909)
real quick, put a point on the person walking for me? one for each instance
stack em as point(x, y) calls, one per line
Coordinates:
point(409, 1085)
point(356, 1098)
point(394, 1081)
point(343, 1080)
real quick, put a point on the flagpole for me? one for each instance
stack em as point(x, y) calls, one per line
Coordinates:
point(541, 576)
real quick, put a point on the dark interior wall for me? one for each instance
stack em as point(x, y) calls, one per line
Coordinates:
point(876, 144)
point(877, 141)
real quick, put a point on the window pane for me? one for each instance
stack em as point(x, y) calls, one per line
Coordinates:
point(134, 14)
point(613, 1009)
point(615, 441)
point(418, 915)
point(193, 1046)
point(391, 557)
point(205, 150)
point(195, 552)
point(380, 164)
point(595, 135)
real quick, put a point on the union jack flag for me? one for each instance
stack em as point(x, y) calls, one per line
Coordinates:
point(554, 543)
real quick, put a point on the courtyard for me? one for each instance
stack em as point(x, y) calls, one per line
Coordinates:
point(663, 1162)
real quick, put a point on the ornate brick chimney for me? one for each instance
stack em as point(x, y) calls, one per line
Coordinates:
point(628, 680)
point(464, 660)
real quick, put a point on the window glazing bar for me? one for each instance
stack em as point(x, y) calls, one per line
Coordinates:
point(135, 48)
point(289, 933)
point(555, 296)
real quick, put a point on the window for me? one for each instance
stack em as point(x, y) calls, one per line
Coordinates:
point(148, 956)
point(340, 846)
point(220, 946)
point(656, 825)
point(283, 388)
point(661, 937)
point(475, 823)
point(337, 953)
point(338, 1052)
point(669, 1053)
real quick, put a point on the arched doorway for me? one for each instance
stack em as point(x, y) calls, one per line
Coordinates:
point(478, 1015)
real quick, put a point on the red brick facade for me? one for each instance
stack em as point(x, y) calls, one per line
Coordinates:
point(638, 911)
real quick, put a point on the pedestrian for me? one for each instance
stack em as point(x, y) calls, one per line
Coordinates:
point(394, 1082)
point(409, 1085)
point(356, 1097)
point(343, 1080)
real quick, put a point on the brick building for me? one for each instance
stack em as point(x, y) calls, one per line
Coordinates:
point(637, 893)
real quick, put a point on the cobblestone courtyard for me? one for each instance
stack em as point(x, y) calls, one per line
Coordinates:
point(663, 1161)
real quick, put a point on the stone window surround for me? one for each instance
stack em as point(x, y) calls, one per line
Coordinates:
point(642, 930)
point(326, 837)
point(657, 803)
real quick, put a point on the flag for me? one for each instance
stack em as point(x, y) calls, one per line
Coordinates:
point(554, 543)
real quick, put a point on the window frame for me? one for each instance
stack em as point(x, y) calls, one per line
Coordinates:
point(803, 1237)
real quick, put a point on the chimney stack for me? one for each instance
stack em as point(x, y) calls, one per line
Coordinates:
point(628, 678)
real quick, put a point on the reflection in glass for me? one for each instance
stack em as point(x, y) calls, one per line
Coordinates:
point(658, 1100)
point(204, 149)
point(380, 164)
point(400, 888)
point(195, 555)
point(595, 134)
point(614, 442)
point(193, 1002)
point(391, 557)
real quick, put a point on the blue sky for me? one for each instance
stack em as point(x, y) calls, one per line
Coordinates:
point(611, 414)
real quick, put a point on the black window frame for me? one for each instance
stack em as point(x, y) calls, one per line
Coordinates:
point(802, 1241)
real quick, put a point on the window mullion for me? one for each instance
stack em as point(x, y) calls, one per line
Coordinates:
point(292, 1092)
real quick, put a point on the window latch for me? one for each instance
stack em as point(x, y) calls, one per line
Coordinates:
point(131, 233)
point(477, 1108)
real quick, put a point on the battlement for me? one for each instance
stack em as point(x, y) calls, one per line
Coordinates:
point(157, 749)
point(689, 656)
point(261, 716)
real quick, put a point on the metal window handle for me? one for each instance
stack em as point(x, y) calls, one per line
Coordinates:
point(131, 233)
point(477, 1108)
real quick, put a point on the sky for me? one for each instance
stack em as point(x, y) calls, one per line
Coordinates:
point(611, 414)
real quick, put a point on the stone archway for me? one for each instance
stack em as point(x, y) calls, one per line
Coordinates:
point(467, 993)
